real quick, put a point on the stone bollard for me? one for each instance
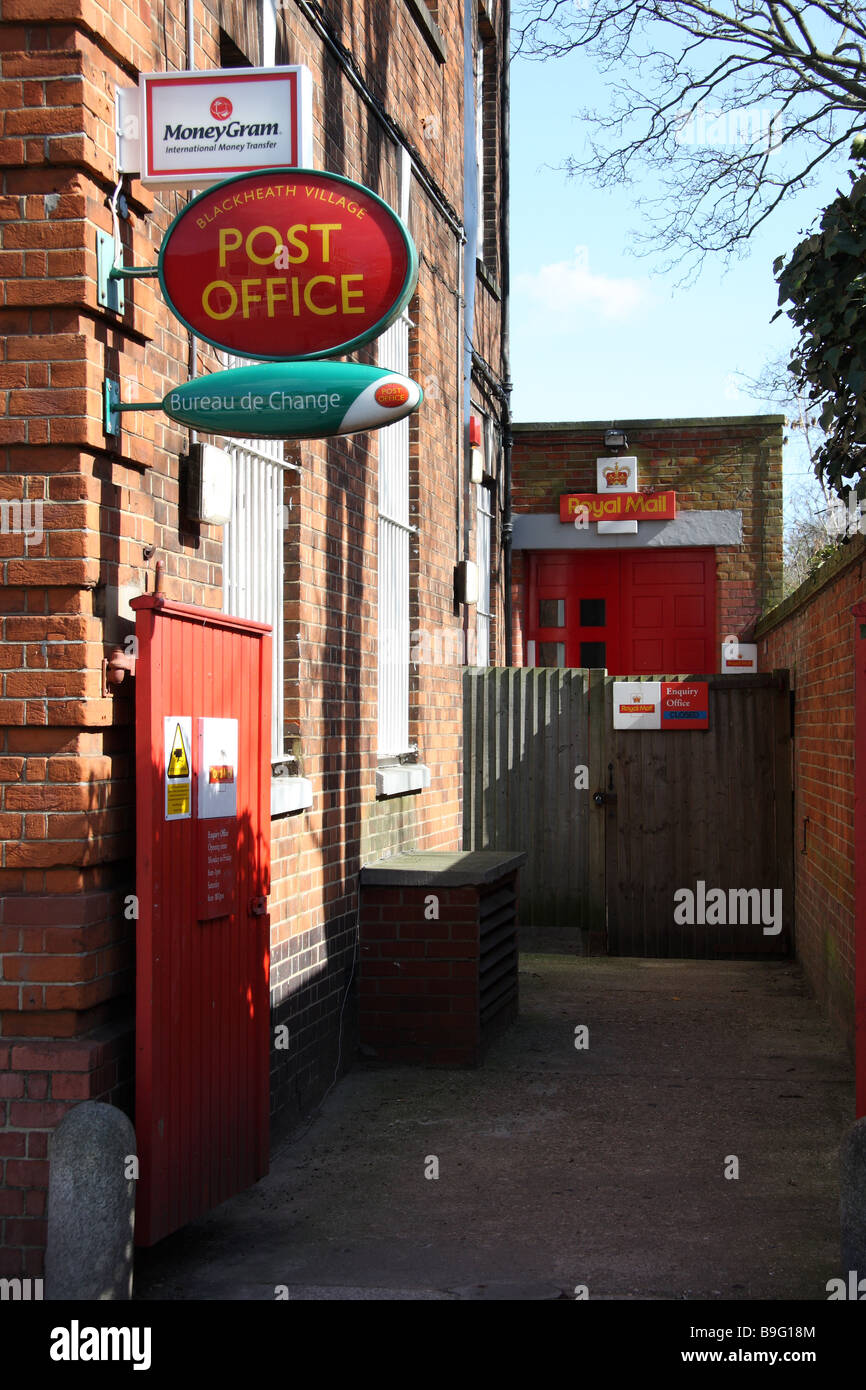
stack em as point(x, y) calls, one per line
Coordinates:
point(91, 1205)
point(852, 1200)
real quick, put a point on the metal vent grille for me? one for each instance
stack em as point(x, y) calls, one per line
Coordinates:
point(497, 963)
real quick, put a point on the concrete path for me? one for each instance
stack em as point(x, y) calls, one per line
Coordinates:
point(561, 1167)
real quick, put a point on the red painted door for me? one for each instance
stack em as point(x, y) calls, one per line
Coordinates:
point(646, 612)
point(203, 686)
point(668, 612)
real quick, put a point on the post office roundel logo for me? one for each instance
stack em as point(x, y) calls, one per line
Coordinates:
point(287, 264)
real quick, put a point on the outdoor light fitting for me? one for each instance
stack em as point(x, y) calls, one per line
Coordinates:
point(615, 439)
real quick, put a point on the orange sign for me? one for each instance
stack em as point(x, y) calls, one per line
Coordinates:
point(614, 506)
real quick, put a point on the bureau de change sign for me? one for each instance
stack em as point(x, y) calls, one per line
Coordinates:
point(293, 400)
point(288, 265)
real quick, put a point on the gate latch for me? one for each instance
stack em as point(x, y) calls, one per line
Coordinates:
point(598, 798)
point(258, 907)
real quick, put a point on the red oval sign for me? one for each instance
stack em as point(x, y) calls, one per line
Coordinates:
point(287, 264)
point(393, 394)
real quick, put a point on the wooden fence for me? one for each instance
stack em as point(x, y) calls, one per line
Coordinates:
point(614, 822)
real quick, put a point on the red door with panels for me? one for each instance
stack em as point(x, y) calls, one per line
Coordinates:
point(642, 612)
point(203, 774)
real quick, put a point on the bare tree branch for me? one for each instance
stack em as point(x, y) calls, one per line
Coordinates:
point(735, 105)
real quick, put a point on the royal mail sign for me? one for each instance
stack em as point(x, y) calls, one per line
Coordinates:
point(618, 506)
point(198, 128)
point(288, 264)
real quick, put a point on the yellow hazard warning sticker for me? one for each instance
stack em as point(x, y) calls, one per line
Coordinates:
point(177, 737)
point(178, 759)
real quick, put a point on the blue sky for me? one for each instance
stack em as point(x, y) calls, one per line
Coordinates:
point(596, 334)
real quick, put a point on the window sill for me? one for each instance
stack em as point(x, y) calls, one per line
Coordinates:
point(397, 778)
point(429, 28)
point(487, 277)
point(290, 794)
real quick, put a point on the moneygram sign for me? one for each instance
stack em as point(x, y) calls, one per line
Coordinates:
point(287, 265)
point(199, 128)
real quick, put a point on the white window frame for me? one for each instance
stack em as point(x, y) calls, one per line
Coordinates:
point(393, 560)
point(253, 569)
point(483, 541)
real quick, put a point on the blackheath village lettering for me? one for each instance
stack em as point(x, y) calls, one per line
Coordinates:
point(716, 907)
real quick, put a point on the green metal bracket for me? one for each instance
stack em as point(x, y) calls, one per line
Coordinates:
point(112, 408)
point(109, 290)
point(110, 277)
point(133, 272)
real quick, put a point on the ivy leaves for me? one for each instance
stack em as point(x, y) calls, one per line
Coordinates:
point(824, 282)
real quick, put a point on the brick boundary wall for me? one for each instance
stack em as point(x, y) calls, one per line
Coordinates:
point(812, 634)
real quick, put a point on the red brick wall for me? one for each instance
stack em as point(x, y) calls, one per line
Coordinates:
point(713, 465)
point(111, 511)
point(813, 634)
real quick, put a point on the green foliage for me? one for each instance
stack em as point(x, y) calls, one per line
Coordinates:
point(824, 281)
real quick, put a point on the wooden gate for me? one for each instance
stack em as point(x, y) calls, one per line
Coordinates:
point(646, 843)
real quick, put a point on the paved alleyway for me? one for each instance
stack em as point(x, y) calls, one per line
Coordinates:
point(560, 1167)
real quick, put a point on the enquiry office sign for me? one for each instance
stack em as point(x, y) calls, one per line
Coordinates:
point(672, 705)
point(287, 265)
point(198, 128)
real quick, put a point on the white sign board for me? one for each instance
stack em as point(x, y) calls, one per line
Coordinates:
point(739, 658)
point(217, 768)
point(198, 128)
point(637, 704)
point(617, 475)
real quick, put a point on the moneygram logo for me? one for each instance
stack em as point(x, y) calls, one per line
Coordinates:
point(221, 108)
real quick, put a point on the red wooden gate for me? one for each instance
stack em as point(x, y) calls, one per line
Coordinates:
point(203, 684)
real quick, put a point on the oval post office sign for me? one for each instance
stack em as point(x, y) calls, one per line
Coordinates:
point(293, 400)
point(287, 264)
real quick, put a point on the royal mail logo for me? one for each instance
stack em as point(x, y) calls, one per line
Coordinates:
point(392, 394)
point(612, 506)
point(221, 108)
point(636, 709)
point(616, 477)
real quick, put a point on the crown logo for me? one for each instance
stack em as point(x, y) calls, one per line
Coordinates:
point(616, 477)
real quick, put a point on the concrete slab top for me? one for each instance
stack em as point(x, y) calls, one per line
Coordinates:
point(457, 869)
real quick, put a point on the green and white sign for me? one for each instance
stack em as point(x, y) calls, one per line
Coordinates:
point(293, 400)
